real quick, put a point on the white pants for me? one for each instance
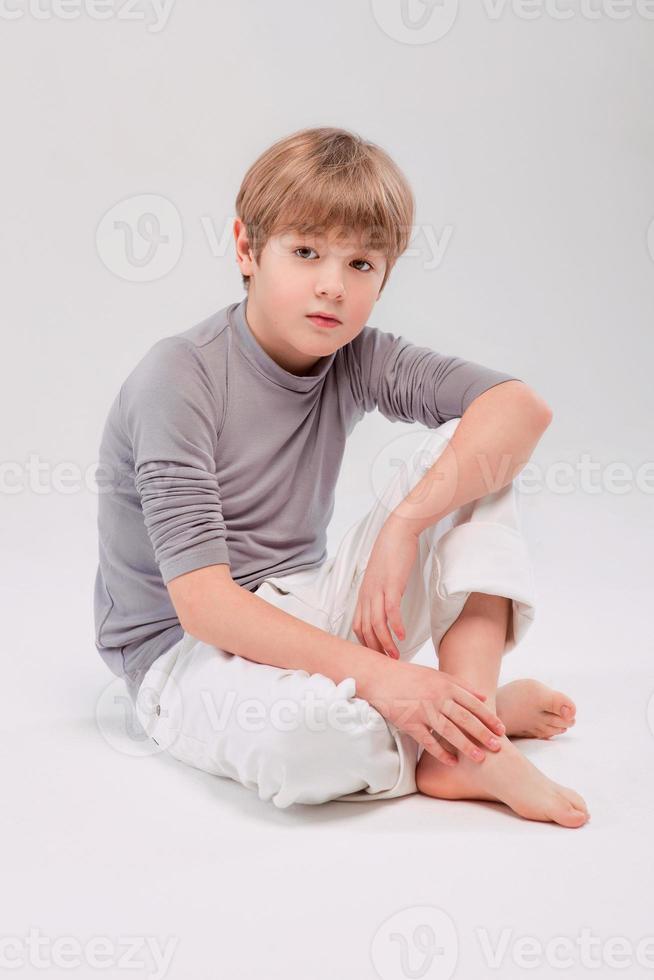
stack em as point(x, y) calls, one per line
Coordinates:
point(300, 738)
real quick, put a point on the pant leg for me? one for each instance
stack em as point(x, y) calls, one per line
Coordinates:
point(481, 548)
point(290, 736)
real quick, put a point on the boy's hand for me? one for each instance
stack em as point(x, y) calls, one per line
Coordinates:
point(421, 699)
point(382, 588)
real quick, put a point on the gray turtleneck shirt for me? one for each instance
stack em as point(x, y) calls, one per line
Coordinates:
point(213, 453)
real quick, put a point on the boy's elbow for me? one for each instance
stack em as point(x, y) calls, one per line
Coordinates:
point(194, 592)
point(544, 411)
point(540, 410)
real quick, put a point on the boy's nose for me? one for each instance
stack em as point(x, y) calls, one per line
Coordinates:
point(334, 289)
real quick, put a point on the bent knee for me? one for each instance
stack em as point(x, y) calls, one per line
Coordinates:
point(320, 757)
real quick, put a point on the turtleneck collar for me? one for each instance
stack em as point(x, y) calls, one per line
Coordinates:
point(264, 363)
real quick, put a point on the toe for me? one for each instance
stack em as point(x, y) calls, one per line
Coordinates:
point(568, 812)
point(551, 731)
point(561, 706)
point(576, 801)
point(577, 818)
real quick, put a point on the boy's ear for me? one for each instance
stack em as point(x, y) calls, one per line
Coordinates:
point(243, 252)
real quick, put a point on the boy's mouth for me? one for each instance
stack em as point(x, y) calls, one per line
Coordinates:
point(321, 320)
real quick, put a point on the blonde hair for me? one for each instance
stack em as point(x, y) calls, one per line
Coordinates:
point(325, 178)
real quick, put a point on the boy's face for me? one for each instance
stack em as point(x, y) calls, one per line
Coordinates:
point(302, 274)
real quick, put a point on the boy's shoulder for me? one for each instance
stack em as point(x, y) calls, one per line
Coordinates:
point(185, 363)
point(207, 331)
point(181, 346)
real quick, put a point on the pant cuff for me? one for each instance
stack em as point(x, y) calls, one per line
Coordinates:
point(481, 557)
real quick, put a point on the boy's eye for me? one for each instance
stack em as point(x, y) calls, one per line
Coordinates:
point(308, 248)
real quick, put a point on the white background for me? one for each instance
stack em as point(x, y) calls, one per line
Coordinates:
point(530, 148)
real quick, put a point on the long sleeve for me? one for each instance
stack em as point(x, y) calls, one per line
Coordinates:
point(171, 417)
point(409, 383)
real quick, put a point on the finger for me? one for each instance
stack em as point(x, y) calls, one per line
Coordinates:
point(434, 747)
point(381, 627)
point(367, 630)
point(465, 720)
point(455, 737)
point(394, 615)
point(491, 721)
point(356, 623)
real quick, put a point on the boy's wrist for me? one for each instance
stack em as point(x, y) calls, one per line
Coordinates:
point(367, 668)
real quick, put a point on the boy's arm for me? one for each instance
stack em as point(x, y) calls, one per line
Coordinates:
point(492, 443)
point(212, 607)
point(418, 700)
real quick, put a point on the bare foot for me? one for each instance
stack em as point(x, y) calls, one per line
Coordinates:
point(530, 709)
point(505, 776)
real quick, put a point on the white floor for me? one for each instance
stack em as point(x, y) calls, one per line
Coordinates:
point(100, 842)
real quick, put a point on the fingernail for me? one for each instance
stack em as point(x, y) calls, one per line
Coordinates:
point(477, 754)
point(494, 743)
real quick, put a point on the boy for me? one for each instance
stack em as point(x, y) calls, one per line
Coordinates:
point(213, 586)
